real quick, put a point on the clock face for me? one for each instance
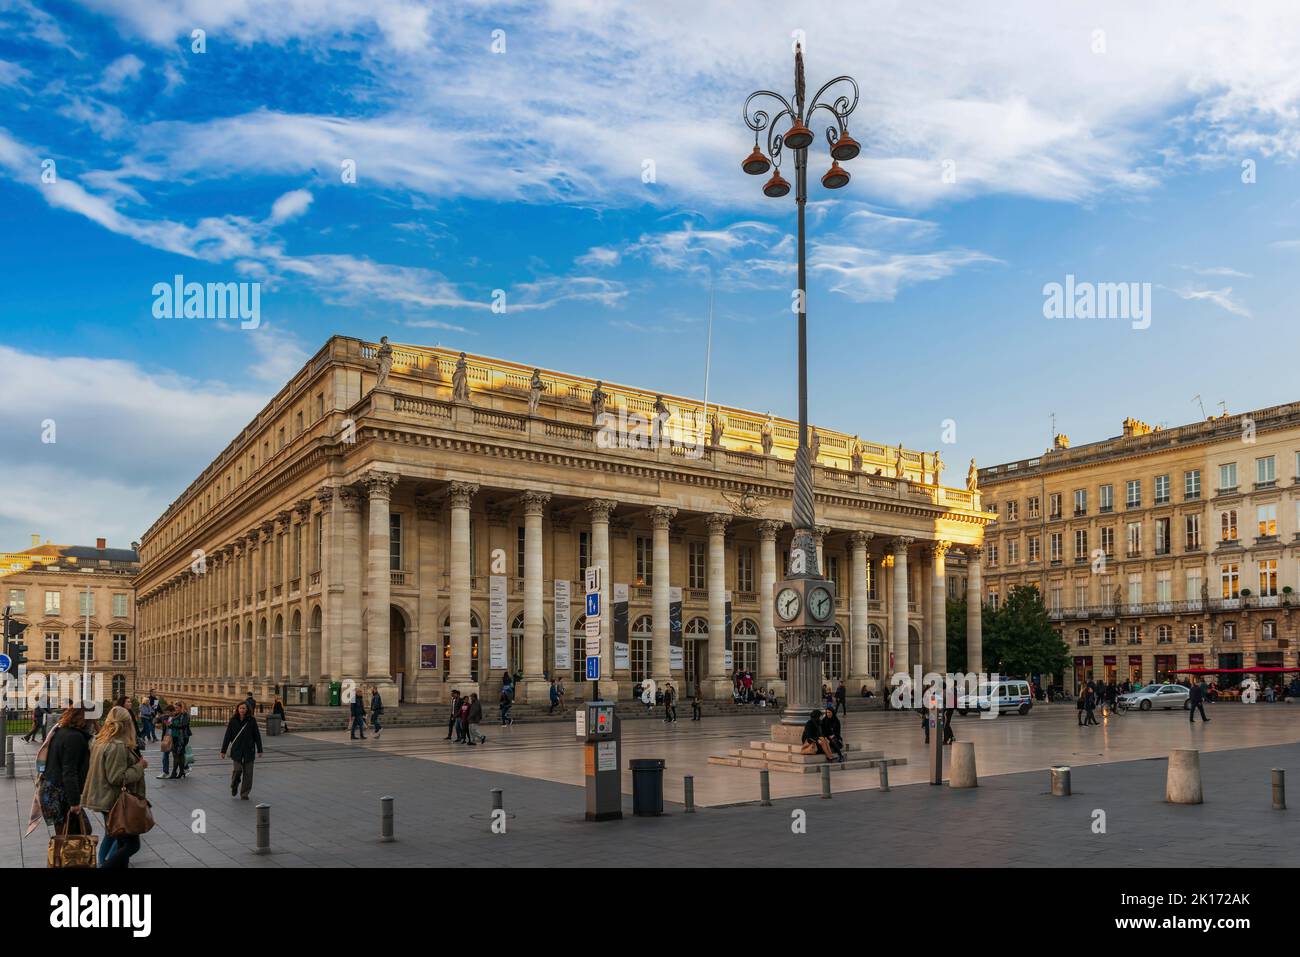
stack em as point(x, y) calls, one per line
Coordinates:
point(787, 604)
point(820, 603)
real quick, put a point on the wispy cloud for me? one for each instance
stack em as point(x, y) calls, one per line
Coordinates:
point(866, 275)
point(1222, 298)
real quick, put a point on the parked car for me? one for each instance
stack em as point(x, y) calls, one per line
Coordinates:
point(1156, 696)
point(1010, 694)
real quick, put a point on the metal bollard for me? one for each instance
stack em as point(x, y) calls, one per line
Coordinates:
point(884, 776)
point(1060, 782)
point(497, 799)
point(1279, 789)
point(764, 788)
point(826, 780)
point(263, 829)
point(9, 763)
point(688, 785)
point(385, 820)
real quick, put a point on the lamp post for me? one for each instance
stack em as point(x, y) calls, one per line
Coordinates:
point(804, 600)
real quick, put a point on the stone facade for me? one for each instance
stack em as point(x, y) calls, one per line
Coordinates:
point(1146, 545)
point(354, 532)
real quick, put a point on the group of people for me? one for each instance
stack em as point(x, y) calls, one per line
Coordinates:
point(88, 766)
point(464, 719)
point(557, 695)
point(357, 712)
point(822, 734)
point(837, 699)
point(744, 691)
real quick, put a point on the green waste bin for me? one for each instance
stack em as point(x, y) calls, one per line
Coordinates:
point(336, 693)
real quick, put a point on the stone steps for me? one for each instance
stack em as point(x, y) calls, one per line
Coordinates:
point(787, 758)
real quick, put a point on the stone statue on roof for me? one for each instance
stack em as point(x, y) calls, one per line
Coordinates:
point(898, 463)
point(765, 435)
point(598, 400)
point(460, 381)
point(972, 477)
point(535, 389)
point(383, 362)
point(856, 454)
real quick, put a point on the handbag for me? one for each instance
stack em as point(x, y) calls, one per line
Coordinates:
point(130, 816)
point(166, 744)
point(189, 756)
point(73, 850)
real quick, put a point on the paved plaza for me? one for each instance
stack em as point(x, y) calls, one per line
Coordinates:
point(324, 792)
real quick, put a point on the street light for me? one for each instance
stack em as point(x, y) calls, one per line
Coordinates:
point(805, 600)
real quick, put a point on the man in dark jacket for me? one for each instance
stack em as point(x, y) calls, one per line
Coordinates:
point(473, 720)
point(454, 714)
point(244, 743)
point(66, 764)
point(38, 722)
point(1196, 700)
point(358, 711)
point(841, 699)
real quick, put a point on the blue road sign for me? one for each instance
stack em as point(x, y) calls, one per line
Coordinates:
point(4, 663)
point(593, 605)
point(593, 667)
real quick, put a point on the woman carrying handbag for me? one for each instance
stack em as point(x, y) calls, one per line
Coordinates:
point(115, 787)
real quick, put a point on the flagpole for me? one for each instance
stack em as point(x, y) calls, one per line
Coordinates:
point(85, 657)
point(708, 360)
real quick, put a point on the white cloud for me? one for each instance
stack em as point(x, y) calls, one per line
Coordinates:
point(600, 256)
point(867, 275)
point(12, 74)
point(1220, 297)
point(125, 69)
point(290, 206)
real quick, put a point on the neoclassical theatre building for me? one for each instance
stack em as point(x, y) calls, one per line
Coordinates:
point(420, 520)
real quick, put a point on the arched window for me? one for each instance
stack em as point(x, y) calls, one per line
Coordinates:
point(744, 645)
point(579, 644)
point(516, 659)
point(833, 659)
point(475, 632)
point(875, 650)
point(642, 635)
point(698, 627)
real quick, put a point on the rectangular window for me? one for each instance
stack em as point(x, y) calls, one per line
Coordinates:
point(1080, 501)
point(1268, 578)
point(1266, 470)
point(521, 550)
point(584, 553)
point(1228, 526)
point(51, 646)
point(87, 647)
point(1164, 587)
point(871, 579)
point(320, 404)
point(1134, 538)
point(993, 602)
point(1135, 589)
point(1031, 506)
point(119, 606)
point(1054, 505)
point(697, 564)
point(1013, 551)
point(1228, 477)
point(1135, 634)
point(1106, 498)
point(1108, 542)
point(1162, 536)
point(1192, 485)
point(645, 564)
point(1013, 511)
point(873, 658)
point(298, 424)
point(18, 601)
point(297, 550)
point(1109, 635)
point(1195, 633)
point(53, 602)
point(1230, 579)
point(1193, 585)
point(395, 542)
point(1055, 599)
point(1133, 493)
point(1192, 531)
point(1162, 489)
point(833, 571)
point(119, 647)
point(1080, 594)
point(1267, 515)
point(1035, 549)
point(1054, 546)
point(317, 539)
point(1080, 543)
point(993, 555)
point(85, 603)
point(745, 568)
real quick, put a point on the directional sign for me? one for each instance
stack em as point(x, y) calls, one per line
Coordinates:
point(593, 605)
point(5, 663)
point(593, 667)
point(593, 579)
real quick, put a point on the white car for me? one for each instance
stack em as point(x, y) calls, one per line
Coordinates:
point(1011, 694)
point(1156, 696)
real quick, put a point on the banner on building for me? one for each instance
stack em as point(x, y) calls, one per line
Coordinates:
point(675, 659)
point(428, 657)
point(622, 661)
point(728, 662)
point(563, 652)
point(497, 622)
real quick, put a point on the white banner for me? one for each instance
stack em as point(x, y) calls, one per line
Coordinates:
point(675, 661)
point(497, 621)
point(563, 648)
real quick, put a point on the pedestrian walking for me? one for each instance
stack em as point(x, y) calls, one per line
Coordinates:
point(507, 699)
point(252, 704)
point(357, 711)
point(179, 731)
point(473, 719)
point(841, 699)
point(151, 726)
point(559, 689)
point(1090, 705)
point(670, 703)
point(38, 723)
point(243, 742)
point(115, 764)
point(695, 706)
point(462, 720)
point(277, 710)
point(376, 710)
point(1195, 702)
point(67, 762)
point(555, 697)
point(453, 716)
point(1082, 702)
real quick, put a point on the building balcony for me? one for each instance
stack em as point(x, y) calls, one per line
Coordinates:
point(1164, 500)
point(1266, 539)
point(1226, 490)
point(1080, 512)
point(1105, 509)
point(1272, 483)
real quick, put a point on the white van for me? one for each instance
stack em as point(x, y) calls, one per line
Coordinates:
point(1010, 694)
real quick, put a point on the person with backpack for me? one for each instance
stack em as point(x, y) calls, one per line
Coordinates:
point(243, 741)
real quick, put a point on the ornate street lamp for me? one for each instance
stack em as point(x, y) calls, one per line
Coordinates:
point(804, 602)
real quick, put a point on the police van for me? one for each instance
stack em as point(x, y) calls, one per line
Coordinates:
point(1008, 694)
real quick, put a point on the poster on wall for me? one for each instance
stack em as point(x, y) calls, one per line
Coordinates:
point(563, 654)
point(497, 622)
point(621, 659)
point(727, 660)
point(675, 659)
point(428, 657)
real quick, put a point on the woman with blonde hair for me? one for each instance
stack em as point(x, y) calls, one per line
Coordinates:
point(114, 763)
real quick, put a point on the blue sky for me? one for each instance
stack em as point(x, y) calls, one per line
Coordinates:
point(1101, 140)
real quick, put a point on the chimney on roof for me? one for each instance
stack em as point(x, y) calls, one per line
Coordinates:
point(36, 540)
point(101, 543)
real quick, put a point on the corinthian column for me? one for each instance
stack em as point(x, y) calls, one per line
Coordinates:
point(769, 661)
point(858, 630)
point(661, 520)
point(939, 608)
point(461, 494)
point(379, 666)
point(898, 607)
point(974, 609)
point(718, 681)
point(535, 687)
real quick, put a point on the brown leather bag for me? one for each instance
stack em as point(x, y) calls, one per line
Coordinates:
point(73, 850)
point(166, 744)
point(130, 816)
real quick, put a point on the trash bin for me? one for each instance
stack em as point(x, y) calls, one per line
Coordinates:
point(647, 786)
point(336, 693)
point(274, 725)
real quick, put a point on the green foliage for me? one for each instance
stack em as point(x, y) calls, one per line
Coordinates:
point(1019, 638)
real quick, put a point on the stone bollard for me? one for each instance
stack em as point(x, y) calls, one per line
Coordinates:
point(764, 788)
point(688, 786)
point(963, 766)
point(1060, 782)
point(263, 829)
point(1279, 789)
point(884, 775)
point(826, 780)
point(9, 760)
point(385, 820)
point(1183, 779)
point(498, 799)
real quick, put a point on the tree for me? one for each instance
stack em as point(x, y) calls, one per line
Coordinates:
point(956, 611)
point(1019, 638)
